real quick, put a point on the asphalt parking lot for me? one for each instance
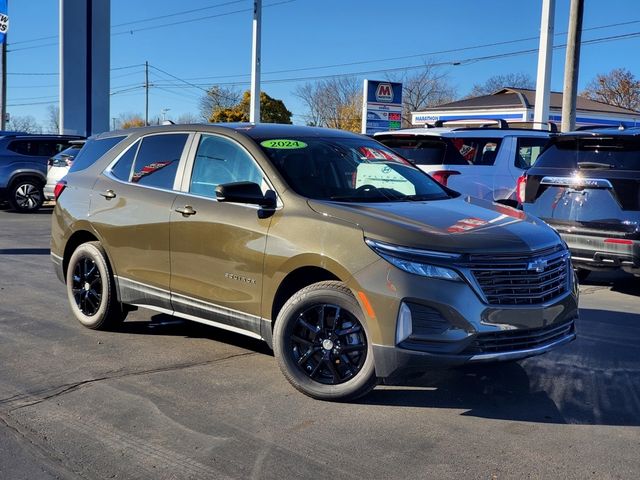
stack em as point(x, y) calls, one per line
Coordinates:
point(167, 399)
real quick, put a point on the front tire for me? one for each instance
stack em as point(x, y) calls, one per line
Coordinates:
point(321, 344)
point(91, 288)
point(26, 195)
point(582, 274)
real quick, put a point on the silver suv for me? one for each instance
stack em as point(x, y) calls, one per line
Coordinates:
point(481, 162)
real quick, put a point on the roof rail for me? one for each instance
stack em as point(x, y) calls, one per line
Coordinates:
point(502, 124)
point(600, 127)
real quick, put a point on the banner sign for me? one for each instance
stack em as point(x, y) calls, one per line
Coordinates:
point(381, 106)
point(4, 20)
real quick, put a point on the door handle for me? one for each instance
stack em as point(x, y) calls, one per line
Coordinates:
point(108, 194)
point(186, 211)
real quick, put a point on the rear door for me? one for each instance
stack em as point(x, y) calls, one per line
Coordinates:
point(590, 183)
point(131, 207)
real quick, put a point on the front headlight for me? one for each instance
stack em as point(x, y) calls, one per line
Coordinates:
point(415, 261)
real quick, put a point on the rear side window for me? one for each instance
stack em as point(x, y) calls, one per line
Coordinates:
point(92, 151)
point(37, 148)
point(421, 151)
point(477, 151)
point(618, 153)
point(528, 151)
point(157, 160)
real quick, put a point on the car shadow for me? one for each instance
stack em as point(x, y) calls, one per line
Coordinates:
point(617, 281)
point(592, 381)
point(25, 251)
point(163, 324)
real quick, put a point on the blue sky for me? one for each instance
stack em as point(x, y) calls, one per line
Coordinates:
point(213, 45)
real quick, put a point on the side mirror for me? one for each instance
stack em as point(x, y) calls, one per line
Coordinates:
point(245, 192)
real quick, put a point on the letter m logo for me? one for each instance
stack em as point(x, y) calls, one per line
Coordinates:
point(384, 93)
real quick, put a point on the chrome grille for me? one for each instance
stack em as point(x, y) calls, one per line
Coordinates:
point(522, 280)
point(515, 340)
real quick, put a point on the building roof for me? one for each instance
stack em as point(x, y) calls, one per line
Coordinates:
point(525, 98)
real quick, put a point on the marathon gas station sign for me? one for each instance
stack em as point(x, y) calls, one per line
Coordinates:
point(381, 106)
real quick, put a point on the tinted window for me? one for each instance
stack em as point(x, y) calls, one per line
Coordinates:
point(37, 148)
point(157, 160)
point(528, 151)
point(349, 170)
point(423, 151)
point(621, 153)
point(92, 151)
point(218, 161)
point(477, 151)
point(122, 169)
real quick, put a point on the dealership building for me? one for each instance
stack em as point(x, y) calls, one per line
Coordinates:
point(516, 105)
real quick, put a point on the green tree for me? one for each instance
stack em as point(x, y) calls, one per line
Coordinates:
point(272, 110)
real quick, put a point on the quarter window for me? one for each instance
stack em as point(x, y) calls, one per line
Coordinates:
point(219, 161)
point(528, 151)
point(122, 169)
point(157, 160)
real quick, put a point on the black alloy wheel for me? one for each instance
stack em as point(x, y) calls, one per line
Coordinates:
point(26, 196)
point(87, 286)
point(328, 344)
point(321, 343)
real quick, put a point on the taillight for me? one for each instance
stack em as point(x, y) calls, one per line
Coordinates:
point(59, 188)
point(521, 186)
point(442, 176)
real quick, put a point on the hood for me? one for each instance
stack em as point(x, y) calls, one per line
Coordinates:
point(460, 225)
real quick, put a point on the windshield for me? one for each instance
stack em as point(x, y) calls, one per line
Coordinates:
point(349, 170)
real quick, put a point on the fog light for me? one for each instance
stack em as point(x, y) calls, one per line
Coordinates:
point(403, 327)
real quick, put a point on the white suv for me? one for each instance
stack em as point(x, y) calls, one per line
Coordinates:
point(482, 162)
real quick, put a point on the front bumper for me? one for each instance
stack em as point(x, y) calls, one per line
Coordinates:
point(453, 325)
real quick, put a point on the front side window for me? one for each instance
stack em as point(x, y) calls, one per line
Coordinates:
point(220, 161)
point(349, 170)
point(528, 151)
point(157, 160)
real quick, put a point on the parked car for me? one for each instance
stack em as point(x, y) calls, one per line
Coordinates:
point(23, 167)
point(58, 166)
point(350, 262)
point(586, 185)
point(484, 162)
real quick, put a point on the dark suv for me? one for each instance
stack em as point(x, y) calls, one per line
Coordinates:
point(587, 186)
point(23, 167)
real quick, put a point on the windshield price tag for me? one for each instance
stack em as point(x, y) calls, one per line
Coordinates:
point(283, 144)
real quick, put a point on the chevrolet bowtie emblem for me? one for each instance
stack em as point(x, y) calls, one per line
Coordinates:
point(537, 265)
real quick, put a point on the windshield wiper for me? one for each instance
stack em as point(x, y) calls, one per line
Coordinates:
point(595, 165)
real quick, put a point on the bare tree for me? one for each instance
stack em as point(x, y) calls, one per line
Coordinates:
point(619, 87)
point(498, 82)
point(334, 102)
point(25, 123)
point(187, 118)
point(53, 118)
point(218, 98)
point(427, 88)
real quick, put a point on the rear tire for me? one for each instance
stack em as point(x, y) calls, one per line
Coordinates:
point(321, 344)
point(91, 288)
point(26, 195)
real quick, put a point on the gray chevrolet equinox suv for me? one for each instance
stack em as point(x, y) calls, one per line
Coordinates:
point(348, 260)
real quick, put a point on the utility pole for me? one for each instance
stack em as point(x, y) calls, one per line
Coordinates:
point(146, 93)
point(254, 109)
point(572, 66)
point(3, 65)
point(545, 57)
